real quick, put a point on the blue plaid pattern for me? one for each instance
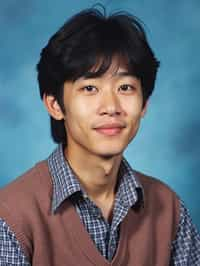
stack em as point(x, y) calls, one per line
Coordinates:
point(10, 250)
point(185, 248)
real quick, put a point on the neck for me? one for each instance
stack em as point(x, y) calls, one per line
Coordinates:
point(97, 175)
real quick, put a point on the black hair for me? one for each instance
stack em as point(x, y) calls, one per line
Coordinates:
point(88, 39)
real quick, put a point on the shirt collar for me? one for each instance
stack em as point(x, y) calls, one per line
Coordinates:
point(130, 189)
point(65, 183)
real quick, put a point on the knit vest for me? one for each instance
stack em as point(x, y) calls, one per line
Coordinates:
point(60, 239)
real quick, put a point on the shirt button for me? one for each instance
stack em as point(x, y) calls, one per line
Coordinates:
point(85, 196)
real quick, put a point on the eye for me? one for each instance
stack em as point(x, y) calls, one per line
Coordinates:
point(89, 89)
point(126, 88)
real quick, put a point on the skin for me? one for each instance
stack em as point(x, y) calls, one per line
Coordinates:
point(95, 157)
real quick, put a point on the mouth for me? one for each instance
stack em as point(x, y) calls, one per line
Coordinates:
point(109, 131)
point(112, 129)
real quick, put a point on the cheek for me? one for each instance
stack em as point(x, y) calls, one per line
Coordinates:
point(133, 108)
point(77, 115)
point(134, 112)
point(134, 126)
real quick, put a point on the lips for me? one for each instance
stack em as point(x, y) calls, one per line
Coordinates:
point(110, 129)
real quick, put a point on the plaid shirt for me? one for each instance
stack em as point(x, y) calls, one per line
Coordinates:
point(185, 249)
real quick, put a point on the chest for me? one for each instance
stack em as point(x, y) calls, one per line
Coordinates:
point(65, 241)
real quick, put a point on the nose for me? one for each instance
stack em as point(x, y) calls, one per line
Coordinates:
point(110, 104)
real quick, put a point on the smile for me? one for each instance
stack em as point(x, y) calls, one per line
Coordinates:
point(109, 131)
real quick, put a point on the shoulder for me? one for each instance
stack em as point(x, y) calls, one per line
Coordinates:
point(27, 187)
point(159, 197)
point(160, 201)
point(26, 199)
point(31, 177)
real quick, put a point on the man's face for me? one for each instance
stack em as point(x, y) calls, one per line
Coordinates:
point(102, 115)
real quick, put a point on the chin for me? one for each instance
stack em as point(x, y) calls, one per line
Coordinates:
point(108, 156)
point(109, 153)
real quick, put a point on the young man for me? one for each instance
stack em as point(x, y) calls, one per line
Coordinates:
point(85, 205)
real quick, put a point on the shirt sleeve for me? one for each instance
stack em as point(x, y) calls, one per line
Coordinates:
point(186, 246)
point(10, 250)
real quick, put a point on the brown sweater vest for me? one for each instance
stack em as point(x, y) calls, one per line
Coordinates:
point(60, 239)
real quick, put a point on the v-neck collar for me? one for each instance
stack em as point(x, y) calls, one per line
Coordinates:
point(87, 246)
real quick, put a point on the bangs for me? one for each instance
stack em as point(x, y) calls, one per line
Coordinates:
point(97, 49)
point(103, 63)
point(94, 65)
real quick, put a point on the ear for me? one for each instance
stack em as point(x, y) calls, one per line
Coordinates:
point(144, 110)
point(53, 107)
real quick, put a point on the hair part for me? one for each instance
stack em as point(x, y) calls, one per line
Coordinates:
point(89, 41)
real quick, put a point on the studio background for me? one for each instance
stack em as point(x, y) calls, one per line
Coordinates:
point(168, 143)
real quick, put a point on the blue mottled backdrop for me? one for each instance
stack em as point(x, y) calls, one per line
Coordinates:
point(168, 143)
